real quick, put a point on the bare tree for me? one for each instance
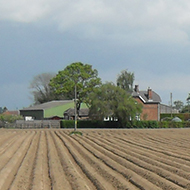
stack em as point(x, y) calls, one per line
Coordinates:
point(41, 90)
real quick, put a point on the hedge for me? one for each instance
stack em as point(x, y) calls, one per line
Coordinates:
point(113, 124)
point(182, 116)
point(145, 124)
point(89, 124)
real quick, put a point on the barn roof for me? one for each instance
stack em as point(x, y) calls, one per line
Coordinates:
point(48, 105)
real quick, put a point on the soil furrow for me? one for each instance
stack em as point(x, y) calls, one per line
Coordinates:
point(4, 136)
point(153, 158)
point(41, 179)
point(134, 159)
point(130, 163)
point(100, 175)
point(161, 146)
point(167, 160)
point(9, 171)
point(11, 150)
point(129, 175)
point(73, 172)
point(165, 151)
point(7, 142)
point(58, 176)
point(23, 178)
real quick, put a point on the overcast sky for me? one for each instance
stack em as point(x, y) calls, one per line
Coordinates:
point(149, 38)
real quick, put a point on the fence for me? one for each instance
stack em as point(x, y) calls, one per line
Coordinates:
point(36, 124)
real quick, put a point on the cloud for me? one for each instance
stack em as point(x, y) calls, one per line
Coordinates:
point(166, 84)
point(171, 82)
point(23, 11)
point(14, 96)
point(122, 20)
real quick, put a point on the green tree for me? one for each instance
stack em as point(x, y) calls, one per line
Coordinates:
point(76, 74)
point(112, 101)
point(125, 80)
point(178, 105)
point(188, 103)
point(10, 118)
point(41, 90)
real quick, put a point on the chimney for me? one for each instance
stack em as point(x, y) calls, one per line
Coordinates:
point(149, 93)
point(136, 88)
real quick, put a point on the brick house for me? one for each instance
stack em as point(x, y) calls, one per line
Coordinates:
point(150, 101)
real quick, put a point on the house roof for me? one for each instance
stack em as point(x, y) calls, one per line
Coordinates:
point(48, 105)
point(143, 95)
point(15, 112)
point(82, 112)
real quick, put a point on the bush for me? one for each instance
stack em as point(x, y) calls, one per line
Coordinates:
point(167, 116)
point(145, 124)
point(172, 124)
point(10, 118)
point(163, 124)
point(67, 124)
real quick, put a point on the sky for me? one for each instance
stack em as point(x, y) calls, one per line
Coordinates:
point(149, 38)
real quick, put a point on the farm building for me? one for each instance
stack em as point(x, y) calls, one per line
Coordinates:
point(48, 110)
point(150, 101)
point(64, 109)
point(70, 114)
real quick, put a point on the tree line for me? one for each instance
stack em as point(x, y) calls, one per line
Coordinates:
point(103, 99)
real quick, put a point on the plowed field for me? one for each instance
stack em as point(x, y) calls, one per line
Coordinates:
point(148, 159)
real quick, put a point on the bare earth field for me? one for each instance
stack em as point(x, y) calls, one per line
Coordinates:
point(146, 159)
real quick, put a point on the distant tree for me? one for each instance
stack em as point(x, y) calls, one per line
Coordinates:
point(2, 110)
point(112, 101)
point(5, 109)
point(10, 118)
point(178, 105)
point(41, 90)
point(125, 80)
point(82, 75)
point(188, 102)
point(185, 109)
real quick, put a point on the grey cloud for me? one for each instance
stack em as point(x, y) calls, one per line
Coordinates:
point(150, 20)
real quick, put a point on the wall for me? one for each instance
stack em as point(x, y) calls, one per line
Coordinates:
point(149, 111)
point(167, 109)
point(35, 114)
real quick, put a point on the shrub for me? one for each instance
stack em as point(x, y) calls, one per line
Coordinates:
point(167, 116)
point(163, 124)
point(145, 124)
point(67, 124)
point(75, 133)
point(10, 118)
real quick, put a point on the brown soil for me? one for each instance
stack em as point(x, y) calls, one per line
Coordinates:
point(148, 159)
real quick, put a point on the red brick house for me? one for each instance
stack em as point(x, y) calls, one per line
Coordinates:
point(16, 112)
point(150, 101)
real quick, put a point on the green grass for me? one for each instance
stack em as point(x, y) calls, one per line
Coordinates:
point(75, 133)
